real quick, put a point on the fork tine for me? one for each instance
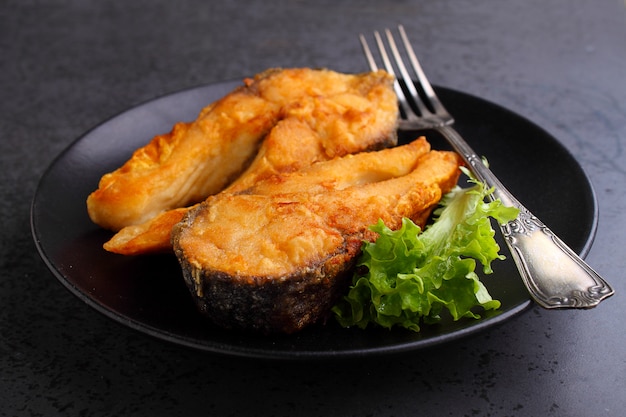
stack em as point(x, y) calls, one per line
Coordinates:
point(368, 53)
point(404, 105)
point(428, 89)
point(408, 81)
point(383, 53)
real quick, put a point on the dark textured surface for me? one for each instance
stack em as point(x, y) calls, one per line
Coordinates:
point(68, 65)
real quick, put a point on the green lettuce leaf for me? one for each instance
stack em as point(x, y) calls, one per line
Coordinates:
point(408, 277)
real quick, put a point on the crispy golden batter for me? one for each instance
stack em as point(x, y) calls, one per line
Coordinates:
point(200, 158)
point(274, 257)
point(338, 115)
point(152, 236)
point(342, 173)
point(184, 166)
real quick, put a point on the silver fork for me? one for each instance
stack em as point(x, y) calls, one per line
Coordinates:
point(556, 277)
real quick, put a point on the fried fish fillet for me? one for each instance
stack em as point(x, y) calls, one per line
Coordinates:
point(345, 172)
point(274, 259)
point(182, 167)
point(353, 113)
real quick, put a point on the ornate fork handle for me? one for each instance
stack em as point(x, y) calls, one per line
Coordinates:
point(554, 275)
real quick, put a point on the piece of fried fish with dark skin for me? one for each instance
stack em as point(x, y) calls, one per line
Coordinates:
point(278, 262)
point(332, 122)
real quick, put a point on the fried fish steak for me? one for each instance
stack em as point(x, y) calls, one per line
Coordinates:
point(354, 113)
point(182, 167)
point(271, 261)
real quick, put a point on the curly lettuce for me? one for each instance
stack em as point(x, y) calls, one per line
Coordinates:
point(407, 277)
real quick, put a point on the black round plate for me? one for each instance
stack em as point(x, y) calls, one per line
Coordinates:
point(147, 293)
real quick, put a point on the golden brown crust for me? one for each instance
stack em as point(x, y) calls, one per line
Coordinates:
point(340, 114)
point(152, 236)
point(184, 166)
point(296, 246)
